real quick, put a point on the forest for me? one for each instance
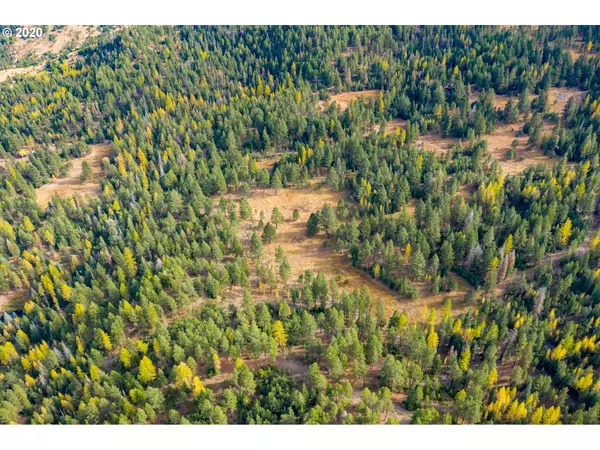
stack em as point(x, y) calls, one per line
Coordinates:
point(301, 225)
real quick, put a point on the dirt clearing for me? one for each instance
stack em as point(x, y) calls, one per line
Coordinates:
point(343, 99)
point(11, 301)
point(71, 184)
point(435, 143)
point(311, 253)
point(268, 161)
point(558, 98)
point(53, 41)
point(8, 73)
point(499, 144)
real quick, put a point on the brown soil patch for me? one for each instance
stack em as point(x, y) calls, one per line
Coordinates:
point(8, 73)
point(410, 209)
point(70, 35)
point(500, 101)
point(414, 308)
point(309, 253)
point(269, 161)
point(435, 143)
point(13, 300)
point(394, 124)
point(499, 144)
point(71, 184)
point(558, 98)
point(466, 191)
point(343, 99)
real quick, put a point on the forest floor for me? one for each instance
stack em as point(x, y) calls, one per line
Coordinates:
point(12, 300)
point(315, 252)
point(343, 99)
point(7, 73)
point(558, 98)
point(268, 160)
point(294, 363)
point(71, 184)
point(390, 127)
point(70, 36)
point(499, 144)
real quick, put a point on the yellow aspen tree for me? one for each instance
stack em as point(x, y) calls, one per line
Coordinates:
point(465, 359)
point(198, 386)
point(147, 372)
point(183, 375)
point(7, 353)
point(125, 358)
point(407, 253)
point(216, 363)
point(66, 291)
point(564, 233)
point(94, 373)
point(433, 339)
point(551, 416)
point(279, 334)
point(559, 352)
point(130, 264)
point(536, 417)
point(107, 344)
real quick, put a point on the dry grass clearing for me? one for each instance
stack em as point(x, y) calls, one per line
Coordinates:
point(72, 36)
point(414, 309)
point(311, 253)
point(500, 101)
point(390, 127)
point(394, 124)
point(435, 143)
point(466, 191)
point(409, 208)
point(268, 161)
point(499, 144)
point(8, 73)
point(71, 184)
point(343, 99)
point(558, 98)
point(13, 300)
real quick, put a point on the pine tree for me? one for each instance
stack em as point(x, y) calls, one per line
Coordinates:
point(417, 265)
point(86, 172)
point(312, 225)
point(269, 233)
point(276, 217)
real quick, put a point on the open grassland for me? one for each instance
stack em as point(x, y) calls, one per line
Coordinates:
point(316, 254)
point(12, 300)
point(71, 184)
point(54, 41)
point(343, 99)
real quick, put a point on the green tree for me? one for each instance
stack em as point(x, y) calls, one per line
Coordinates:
point(86, 172)
point(312, 225)
point(269, 233)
